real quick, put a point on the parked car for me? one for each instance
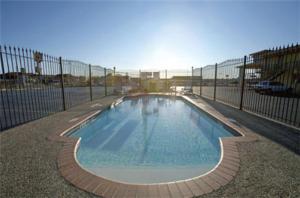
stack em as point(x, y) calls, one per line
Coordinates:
point(187, 90)
point(269, 87)
point(250, 85)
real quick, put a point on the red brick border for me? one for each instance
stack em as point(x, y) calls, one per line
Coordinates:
point(222, 174)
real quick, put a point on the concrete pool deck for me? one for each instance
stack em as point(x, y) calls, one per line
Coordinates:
point(28, 162)
point(222, 174)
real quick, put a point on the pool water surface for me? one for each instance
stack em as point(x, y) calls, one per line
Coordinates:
point(150, 139)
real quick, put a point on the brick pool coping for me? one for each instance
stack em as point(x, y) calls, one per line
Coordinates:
point(220, 175)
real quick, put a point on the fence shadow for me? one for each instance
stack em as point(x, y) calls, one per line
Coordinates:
point(283, 135)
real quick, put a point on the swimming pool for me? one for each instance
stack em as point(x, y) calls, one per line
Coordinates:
point(150, 139)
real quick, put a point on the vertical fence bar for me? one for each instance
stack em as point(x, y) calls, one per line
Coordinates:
point(140, 80)
point(2, 93)
point(192, 81)
point(243, 83)
point(121, 82)
point(12, 91)
point(290, 67)
point(282, 78)
point(105, 83)
point(19, 82)
point(25, 84)
point(31, 85)
point(201, 81)
point(6, 91)
point(298, 98)
point(90, 73)
point(114, 79)
point(47, 74)
point(275, 104)
point(18, 96)
point(126, 82)
point(62, 84)
point(166, 83)
point(215, 85)
point(53, 68)
point(294, 63)
point(43, 81)
point(3, 106)
point(268, 100)
point(41, 88)
point(39, 105)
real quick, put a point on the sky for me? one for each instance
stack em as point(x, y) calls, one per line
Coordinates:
point(133, 35)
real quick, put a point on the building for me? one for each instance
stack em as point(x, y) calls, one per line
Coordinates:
point(156, 75)
point(150, 75)
point(150, 81)
point(280, 65)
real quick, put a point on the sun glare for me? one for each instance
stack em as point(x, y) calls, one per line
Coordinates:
point(165, 58)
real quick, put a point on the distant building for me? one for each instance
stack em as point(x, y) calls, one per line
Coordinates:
point(156, 75)
point(150, 75)
point(280, 65)
point(145, 75)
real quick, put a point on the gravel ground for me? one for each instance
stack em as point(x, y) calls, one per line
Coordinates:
point(267, 170)
point(269, 167)
point(28, 160)
point(28, 163)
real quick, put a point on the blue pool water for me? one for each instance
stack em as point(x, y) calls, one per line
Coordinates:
point(150, 139)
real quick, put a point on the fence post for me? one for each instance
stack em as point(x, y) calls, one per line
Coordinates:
point(243, 83)
point(192, 79)
point(140, 80)
point(105, 84)
point(91, 90)
point(114, 79)
point(166, 83)
point(62, 84)
point(201, 81)
point(215, 85)
point(121, 82)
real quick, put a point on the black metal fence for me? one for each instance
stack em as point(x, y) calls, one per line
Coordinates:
point(76, 76)
point(97, 82)
point(125, 82)
point(207, 87)
point(266, 83)
point(228, 82)
point(34, 85)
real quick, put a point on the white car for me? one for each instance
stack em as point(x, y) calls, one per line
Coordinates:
point(269, 87)
point(187, 90)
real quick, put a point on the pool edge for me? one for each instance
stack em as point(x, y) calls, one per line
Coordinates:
point(220, 175)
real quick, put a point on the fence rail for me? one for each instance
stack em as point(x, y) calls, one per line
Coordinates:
point(266, 83)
